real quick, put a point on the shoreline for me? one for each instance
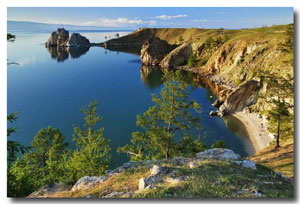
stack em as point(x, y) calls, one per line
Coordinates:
point(256, 129)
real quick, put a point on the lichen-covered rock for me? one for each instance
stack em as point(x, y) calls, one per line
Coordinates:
point(77, 40)
point(58, 38)
point(218, 153)
point(87, 182)
point(178, 56)
point(154, 50)
point(155, 177)
point(246, 164)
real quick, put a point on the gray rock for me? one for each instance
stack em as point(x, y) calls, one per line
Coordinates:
point(246, 164)
point(58, 38)
point(178, 56)
point(154, 50)
point(218, 153)
point(154, 177)
point(114, 195)
point(77, 40)
point(156, 170)
point(142, 184)
point(87, 182)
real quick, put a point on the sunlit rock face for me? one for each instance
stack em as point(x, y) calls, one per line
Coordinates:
point(154, 50)
point(58, 38)
point(178, 56)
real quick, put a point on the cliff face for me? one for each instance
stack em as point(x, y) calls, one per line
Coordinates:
point(229, 58)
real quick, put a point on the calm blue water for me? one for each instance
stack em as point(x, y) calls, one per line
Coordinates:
point(49, 89)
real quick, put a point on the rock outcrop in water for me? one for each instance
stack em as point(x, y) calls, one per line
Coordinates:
point(154, 50)
point(178, 56)
point(240, 97)
point(77, 40)
point(60, 38)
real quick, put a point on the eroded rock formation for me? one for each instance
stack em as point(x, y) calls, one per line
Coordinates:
point(60, 38)
point(178, 56)
point(240, 97)
point(154, 50)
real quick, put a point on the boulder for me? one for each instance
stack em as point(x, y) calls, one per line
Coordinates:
point(58, 38)
point(154, 50)
point(153, 178)
point(246, 164)
point(178, 56)
point(87, 182)
point(77, 40)
point(218, 153)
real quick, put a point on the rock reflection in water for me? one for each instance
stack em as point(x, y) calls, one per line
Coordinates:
point(60, 54)
point(151, 76)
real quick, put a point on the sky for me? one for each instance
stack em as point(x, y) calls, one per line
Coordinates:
point(135, 17)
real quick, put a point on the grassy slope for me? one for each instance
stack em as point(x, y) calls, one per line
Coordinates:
point(280, 160)
point(209, 179)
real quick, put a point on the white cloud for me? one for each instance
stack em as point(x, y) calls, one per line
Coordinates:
point(118, 22)
point(165, 17)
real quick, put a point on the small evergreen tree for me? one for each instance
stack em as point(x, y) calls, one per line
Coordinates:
point(92, 154)
point(218, 144)
point(41, 165)
point(192, 61)
point(280, 88)
point(170, 116)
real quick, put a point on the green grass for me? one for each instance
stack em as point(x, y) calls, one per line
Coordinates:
point(209, 179)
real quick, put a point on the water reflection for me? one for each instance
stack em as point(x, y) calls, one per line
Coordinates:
point(151, 76)
point(236, 127)
point(60, 54)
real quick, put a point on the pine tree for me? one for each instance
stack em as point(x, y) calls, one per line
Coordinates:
point(280, 113)
point(14, 149)
point(92, 154)
point(41, 165)
point(170, 116)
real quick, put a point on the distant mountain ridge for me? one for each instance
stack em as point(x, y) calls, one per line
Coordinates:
point(27, 26)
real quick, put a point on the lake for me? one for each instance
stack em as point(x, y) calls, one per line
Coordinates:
point(49, 87)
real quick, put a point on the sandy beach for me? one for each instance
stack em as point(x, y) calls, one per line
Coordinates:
point(256, 129)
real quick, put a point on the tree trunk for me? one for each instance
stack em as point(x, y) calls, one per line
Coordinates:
point(167, 152)
point(278, 133)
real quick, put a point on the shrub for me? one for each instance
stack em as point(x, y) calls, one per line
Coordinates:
point(218, 144)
